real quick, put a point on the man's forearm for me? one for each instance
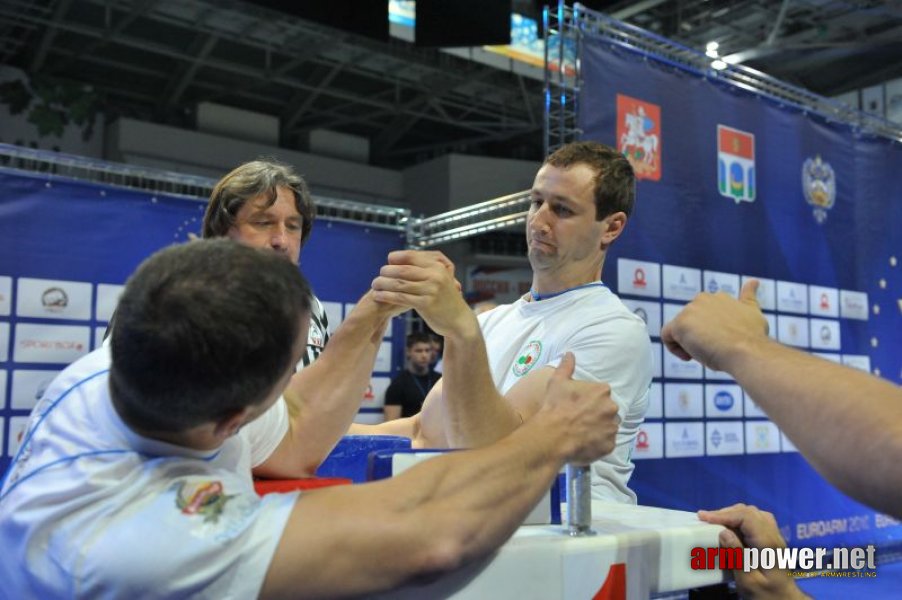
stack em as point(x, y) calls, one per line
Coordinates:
point(473, 411)
point(847, 424)
point(468, 502)
point(324, 397)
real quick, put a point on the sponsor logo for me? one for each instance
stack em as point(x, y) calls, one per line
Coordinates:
point(826, 334)
point(686, 444)
point(736, 164)
point(639, 277)
point(205, 498)
point(716, 438)
point(639, 136)
point(825, 302)
point(368, 395)
point(642, 441)
point(713, 287)
point(528, 358)
point(723, 400)
point(640, 312)
point(55, 299)
point(819, 186)
point(762, 437)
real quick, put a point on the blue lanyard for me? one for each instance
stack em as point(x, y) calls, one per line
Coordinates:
point(416, 380)
point(537, 296)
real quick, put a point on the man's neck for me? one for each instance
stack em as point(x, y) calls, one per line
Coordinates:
point(416, 370)
point(547, 282)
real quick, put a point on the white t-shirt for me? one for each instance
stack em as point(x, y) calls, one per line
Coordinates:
point(92, 510)
point(610, 344)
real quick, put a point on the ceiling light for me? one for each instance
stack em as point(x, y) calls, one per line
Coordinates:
point(712, 46)
point(718, 65)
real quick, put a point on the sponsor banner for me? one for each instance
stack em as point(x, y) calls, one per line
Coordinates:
point(655, 402)
point(53, 299)
point(792, 331)
point(857, 361)
point(823, 301)
point(787, 446)
point(724, 438)
point(717, 375)
point(656, 349)
point(751, 408)
point(767, 292)
point(792, 297)
point(681, 283)
point(2, 393)
point(684, 439)
point(333, 314)
point(683, 401)
point(107, 299)
point(723, 401)
point(761, 437)
point(853, 305)
point(649, 441)
point(677, 368)
point(638, 278)
point(59, 344)
point(736, 164)
point(17, 427)
point(824, 334)
point(828, 356)
point(771, 325)
point(374, 394)
point(715, 281)
point(650, 312)
point(6, 295)
point(383, 358)
point(29, 386)
point(639, 136)
point(4, 342)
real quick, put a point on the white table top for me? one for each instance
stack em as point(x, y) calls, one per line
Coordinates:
point(543, 562)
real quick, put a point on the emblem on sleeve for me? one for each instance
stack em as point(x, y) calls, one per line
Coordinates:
point(528, 358)
point(205, 498)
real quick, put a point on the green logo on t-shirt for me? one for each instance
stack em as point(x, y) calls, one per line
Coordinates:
point(528, 358)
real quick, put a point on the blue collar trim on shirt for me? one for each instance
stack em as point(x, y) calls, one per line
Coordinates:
point(537, 296)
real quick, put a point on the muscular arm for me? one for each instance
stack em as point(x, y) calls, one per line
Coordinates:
point(470, 412)
point(839, 418)
point(442, 513)
point(324, 397)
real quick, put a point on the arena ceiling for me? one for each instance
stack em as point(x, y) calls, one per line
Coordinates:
point(157, 59)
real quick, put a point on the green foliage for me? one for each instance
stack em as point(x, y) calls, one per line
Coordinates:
point(52, 104)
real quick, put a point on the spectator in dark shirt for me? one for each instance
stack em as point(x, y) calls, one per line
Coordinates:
point(404, 396)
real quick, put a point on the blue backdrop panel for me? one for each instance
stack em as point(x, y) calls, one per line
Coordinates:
point(60, 229)
point(683, 219)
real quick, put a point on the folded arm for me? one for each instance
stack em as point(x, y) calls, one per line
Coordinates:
point(324, 397)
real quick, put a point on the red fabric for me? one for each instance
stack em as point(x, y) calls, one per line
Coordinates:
point(269, 486)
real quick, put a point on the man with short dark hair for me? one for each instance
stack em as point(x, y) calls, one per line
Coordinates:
point(404, 396)
point(134, 476)
point(581, 199)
